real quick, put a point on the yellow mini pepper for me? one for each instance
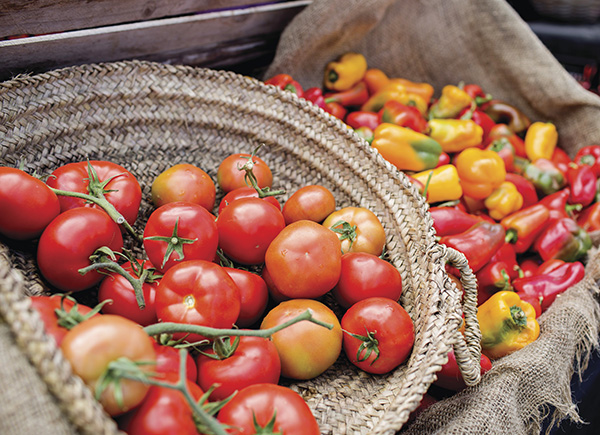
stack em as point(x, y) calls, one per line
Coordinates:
point(441, 183)
point(450, 103)
point(507, 324)
point(406, 149)
point(345, 72)
point(504, 200)
point(422, 89)
point(480, 171)
point(541, 139)
point(455, 135)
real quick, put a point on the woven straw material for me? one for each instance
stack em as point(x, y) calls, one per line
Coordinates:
point(484, 42)
point(147, 117)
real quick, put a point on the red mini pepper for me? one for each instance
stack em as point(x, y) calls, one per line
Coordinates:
point(525, 188)
point(287, 83)
point(336, 109)
point(582, 182)
point(503, 113)
point(523, 226)
point(589, 218)
point(315, 96)
point(362, 118)
point(508, 255)
point(589, 155)
point(451, 220)
point(499, 131)
point(479, 243)
point(357, 95)
point(444, 159)
point(563, 239)
point(552, 278)
point(545, 176)
point(506, 150)
point(558, 205)
point(480, 118)
point(561, 159)
point(394, 112)
point(492, 278)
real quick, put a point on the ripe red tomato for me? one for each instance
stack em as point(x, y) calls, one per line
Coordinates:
point(122, 189)
point(164, 411)
point(28, 205)
point(180, 231)
point(47, 306)
point(230, 176)
point(93, 344)
point(184, 182)
point(313, 203)
point(305, 349)
point(245, 192)
point(274, 292)
point(247, 227)
point(369, 235)
point(67, 243)
point(254, 361)
point(392, 334)
point(124, 303)
point(197, 292)
point(450, 377)
point(365, 275)
point(168, 359)
point(254, 296)
point(304, 260)
point(258, 404)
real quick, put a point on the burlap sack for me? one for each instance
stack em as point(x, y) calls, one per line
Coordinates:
point(485, 42)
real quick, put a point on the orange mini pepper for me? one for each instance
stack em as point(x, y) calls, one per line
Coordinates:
point(441, 183)
point(375, 79)
point(423, 90)
point(391, 91)
point(504, 200)
point(540, 141)
point(452, 101)
point(345, 72)
point(480, 172)
point(455, 135)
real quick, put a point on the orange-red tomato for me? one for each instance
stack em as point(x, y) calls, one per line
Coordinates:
point(368, 236)
point(184, 182)
point(230, 176)
point(313, 203)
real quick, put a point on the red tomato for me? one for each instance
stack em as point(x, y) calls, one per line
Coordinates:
point(391, 330)
point(122, 189)
point(304, 260)
point(124, 303)
point(245, 192)
point(93, 344)
point(366, 275)
point(68, 242)
point(450, 377)
point(164, 411)
point(184, 182)
point(254, 296)
point(28, 205)
point(197, 292)
point(47, 306)
point(167, 362)
point(247, 227)
point(230, 176)
point(274, 292)
point(368, 236)
point(305, 349)
point(254, 361)
point(313, 203)
point(262, 403)
point(180, 231)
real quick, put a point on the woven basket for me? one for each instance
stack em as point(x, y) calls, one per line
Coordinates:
point(147, 117)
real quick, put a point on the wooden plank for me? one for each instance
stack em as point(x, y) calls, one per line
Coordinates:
point(36, 17)
point(144, 39)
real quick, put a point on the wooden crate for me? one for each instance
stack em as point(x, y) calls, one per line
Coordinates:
point(241, 35)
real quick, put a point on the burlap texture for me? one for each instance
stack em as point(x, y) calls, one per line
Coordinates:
point(485, 42)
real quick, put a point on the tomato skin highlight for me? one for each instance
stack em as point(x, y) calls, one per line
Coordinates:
point(67, 243)
point(293, 416)
point(184, 182)
point(311, 202)
point(27, 204)
point(304, 260)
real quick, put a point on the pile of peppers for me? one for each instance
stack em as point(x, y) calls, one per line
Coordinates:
point(500, 189)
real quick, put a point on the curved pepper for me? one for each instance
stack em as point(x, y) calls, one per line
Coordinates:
point(525, 188)
point(589, 155)
point(455, 135)
point(492, 278)
point(480, 172)
point(451, 102)
point(563, 239)
point(451, 220)
point(405, 148)
point(336, 109)
point(362, 119)
point(552, 278)
point(345, 72)
point(315, 96)
point(479, 117)
point(583, 184)
point(504, 113)
point(545, 176)
point(561, 159)
point(504, 200)
point(375, 79)
point(476, 93)
point(507, 324)
point(355, 96)
point(391, 91)
point(423, 90)
point(394, 112)
point(287, 83)
point(540, 141)
point(589, 219)
point(479, 243)
point(558, 205)
point(500, 131)
point(523, 226)
point(441, 183)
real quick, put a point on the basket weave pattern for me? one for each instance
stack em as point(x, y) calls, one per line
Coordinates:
point(147, 117)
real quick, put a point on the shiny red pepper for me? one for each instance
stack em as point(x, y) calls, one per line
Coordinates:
point(582, 182)
point(523, 226)
point(501, 130)
point(315, 96)
point(362, 118)
point(508, 255)
point(357, 95)
point(525, 188)
point(394, 112)
point(558, 205)
point(552, 278)
point(479, 243)
point(444, 159)
point(589, 218)
point(492, 278)
point(476, 93)
point(451, 220)
point(589, 155)
point(480, 118)
point(563, 239)
point(561, 159)
point(336, 109)
point(287, 83)
point(529, 266)
point(506, 150)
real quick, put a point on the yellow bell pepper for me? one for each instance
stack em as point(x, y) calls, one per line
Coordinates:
point(455, 135)
point(405, 148)
point(391, 91)
point(480, 171)
point(441, 183)
point(345, 72)
point(450, 103)
point(507, 324)
point(504, 200)
point(541, 139)
point(423, 90)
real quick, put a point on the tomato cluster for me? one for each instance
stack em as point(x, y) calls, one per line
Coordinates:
point(194, 277)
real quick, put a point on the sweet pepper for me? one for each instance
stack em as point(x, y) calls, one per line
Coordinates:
point(375, 79)
point(451, 220)
point(405, 148)
point(589, 155)
point(394, 112)
point(479, 117)
point(583, 184)
point(504, 200)
point(563, 239)
point(423, 90)
point(507, 324)
point(345, 72)
point(455, 135)
point(504, 113)
point(589, 218)
point(540, 140)
point(287, 83)
point(441, 183)
point(545, 176)
point(480, 172)
point(501, 131)
point(451, 102)
point(357, 119)
point(523, 226)
point(357, 95)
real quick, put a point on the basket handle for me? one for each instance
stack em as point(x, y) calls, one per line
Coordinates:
point(467, 346)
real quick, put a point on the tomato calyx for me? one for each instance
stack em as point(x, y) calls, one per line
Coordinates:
point(223, 348)
point(268, 429)
point(251, 179)
point(369, 344)
point(345, 231)
point(175, 243)
point(68, 319)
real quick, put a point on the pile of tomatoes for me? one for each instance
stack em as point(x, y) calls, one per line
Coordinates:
point(202, 316)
